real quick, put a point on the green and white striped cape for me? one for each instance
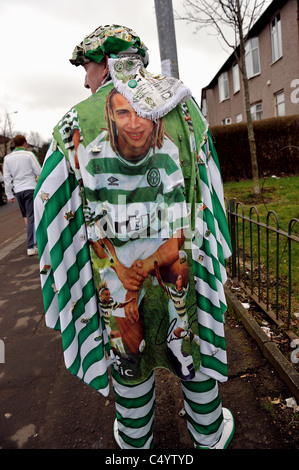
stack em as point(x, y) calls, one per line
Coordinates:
point(66, 273)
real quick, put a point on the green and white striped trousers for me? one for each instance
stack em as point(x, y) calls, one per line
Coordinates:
point(135, 406)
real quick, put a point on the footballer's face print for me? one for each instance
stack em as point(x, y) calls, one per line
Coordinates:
point(134, 133)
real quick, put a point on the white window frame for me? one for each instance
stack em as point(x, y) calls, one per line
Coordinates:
point(279, 101)
point(239, 117)
point(252, 50)
point(223, 85)
point(204, 107)
point(276, 38)
point(257, 111)
point(236, 78)
point(227, 120)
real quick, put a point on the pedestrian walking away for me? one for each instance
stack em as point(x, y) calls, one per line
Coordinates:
point(132, 237)
point(21, 170)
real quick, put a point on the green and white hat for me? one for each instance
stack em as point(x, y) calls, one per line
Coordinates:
point(109, 40)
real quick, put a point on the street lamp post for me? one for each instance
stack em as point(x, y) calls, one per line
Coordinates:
point(167, 39)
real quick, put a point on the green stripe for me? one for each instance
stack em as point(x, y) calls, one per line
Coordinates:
point(138, 422)
point(203, 409)
point(208, 429)
point(58, 200)
point(138, 443)
point(203, 274)
point(48, 292)
point(93, 356)
point(48, 166)
point(210, 362)
point(208, 335)
point(100, 382)
point(221, 219)
point(200, 387)
point(206, 305)
point(112, 166)
point(73, 274)
point(142, 194)
point(135, 402)
point(213, 150)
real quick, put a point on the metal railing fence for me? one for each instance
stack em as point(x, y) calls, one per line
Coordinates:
point(257, 262)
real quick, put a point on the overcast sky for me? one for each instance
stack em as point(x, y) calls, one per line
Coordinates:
point(37, 38)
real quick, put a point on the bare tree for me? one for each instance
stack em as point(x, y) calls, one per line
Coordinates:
point(35, 139)
point(232, 21)
point(6, 129)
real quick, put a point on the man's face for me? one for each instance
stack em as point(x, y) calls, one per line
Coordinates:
point(105, 296)
point(134, 132)
point(179, 282)
point(95, 74)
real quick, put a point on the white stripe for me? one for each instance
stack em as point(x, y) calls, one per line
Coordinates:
point(216, 181)
point(52, 314)
point(206, 440)
point(204, 419)
point(94, 371)
point(134, 392)
point(204, 289)
point(69, 258)
point(220, 289)
point(214, 374)
point(66, 314)
point(204, 397)
point(207, 260)
point(210, 350)
point(60, 223)
point(206, 320)
point(136, 433)
point(134, 413)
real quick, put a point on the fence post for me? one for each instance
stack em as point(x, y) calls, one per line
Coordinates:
point(232, 228)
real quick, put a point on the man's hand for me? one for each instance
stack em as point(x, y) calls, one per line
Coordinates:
point(12, 199)
point(132, 278)
point(131, 308)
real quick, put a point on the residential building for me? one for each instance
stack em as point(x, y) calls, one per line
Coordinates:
point(272, 60)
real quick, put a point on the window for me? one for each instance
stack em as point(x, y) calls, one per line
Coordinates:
point(252, 57)
point(226, 120)
point(279, 104)
point(239, 117)
point(204, 107)
point(223, 87)
point(256, 111)
point(276, 41)
point(236, 78)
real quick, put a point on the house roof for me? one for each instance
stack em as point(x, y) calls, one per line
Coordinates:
point(258, 26)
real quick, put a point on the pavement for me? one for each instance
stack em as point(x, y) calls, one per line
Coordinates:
point(44, 407)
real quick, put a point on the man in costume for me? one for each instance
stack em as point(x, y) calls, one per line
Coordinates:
point(130, 180)
point(21, 170)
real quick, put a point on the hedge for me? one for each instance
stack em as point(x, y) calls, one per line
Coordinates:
point(277, 143)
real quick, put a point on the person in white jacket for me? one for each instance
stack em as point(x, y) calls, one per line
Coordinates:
point(21, 170)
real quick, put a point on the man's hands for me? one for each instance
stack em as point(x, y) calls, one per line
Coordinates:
point(132, 278)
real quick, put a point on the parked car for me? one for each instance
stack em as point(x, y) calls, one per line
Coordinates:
point(3, 198)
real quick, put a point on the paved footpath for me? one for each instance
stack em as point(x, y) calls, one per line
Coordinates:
point(44, 407)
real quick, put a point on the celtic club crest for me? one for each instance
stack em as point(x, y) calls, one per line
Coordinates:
point(153, 177)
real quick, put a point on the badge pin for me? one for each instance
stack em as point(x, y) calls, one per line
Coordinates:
point(69, 215)
point(44, 196)
point(45, 269)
